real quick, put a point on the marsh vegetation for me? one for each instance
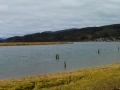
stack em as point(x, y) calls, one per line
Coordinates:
point(96, 78)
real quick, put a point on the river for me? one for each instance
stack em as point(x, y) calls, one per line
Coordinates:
point(20, 61)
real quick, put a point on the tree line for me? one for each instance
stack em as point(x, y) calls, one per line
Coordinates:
point(71, 35)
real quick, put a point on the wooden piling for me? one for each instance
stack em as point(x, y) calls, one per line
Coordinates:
point(57, 56)
point(98, 51)
point(64, 64)
point(118, 48)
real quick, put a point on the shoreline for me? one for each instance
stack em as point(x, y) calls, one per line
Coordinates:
point(29, 43)
point(83, 78)
point(36, 43)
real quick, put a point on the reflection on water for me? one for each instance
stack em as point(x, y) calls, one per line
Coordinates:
point(18, 61)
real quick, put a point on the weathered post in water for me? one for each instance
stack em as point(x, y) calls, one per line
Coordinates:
point(57, 56)
point(118, 48)
point(98, 51)
point(64, 64)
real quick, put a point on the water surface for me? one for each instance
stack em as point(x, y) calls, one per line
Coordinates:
point(19, 61)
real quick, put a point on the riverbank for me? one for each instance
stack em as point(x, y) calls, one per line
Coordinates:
point(29, 43)
point(96, 78)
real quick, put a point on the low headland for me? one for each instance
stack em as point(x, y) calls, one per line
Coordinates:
point(105, 77)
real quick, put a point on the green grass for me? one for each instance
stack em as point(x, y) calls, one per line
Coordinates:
point(96, 78)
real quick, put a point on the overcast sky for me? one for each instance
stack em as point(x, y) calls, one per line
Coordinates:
point(20, 17)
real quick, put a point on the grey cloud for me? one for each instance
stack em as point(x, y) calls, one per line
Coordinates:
point(19, 17)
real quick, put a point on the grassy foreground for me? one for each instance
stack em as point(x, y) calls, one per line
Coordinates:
point(29, 43)
point(97, 78)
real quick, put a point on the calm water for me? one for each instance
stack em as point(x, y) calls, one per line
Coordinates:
point(19, 61)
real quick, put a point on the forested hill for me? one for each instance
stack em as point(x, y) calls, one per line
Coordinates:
point(109, 32)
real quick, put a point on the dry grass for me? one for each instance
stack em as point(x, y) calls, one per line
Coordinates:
point(29, 43)
point(96, 78)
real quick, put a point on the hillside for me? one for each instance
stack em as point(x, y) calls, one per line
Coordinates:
point(104, 33)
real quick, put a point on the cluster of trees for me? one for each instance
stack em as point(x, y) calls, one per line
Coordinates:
point(83, 34)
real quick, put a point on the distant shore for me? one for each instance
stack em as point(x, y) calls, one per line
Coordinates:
point(29, 43)
point(105, 77)
point(39, 43)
